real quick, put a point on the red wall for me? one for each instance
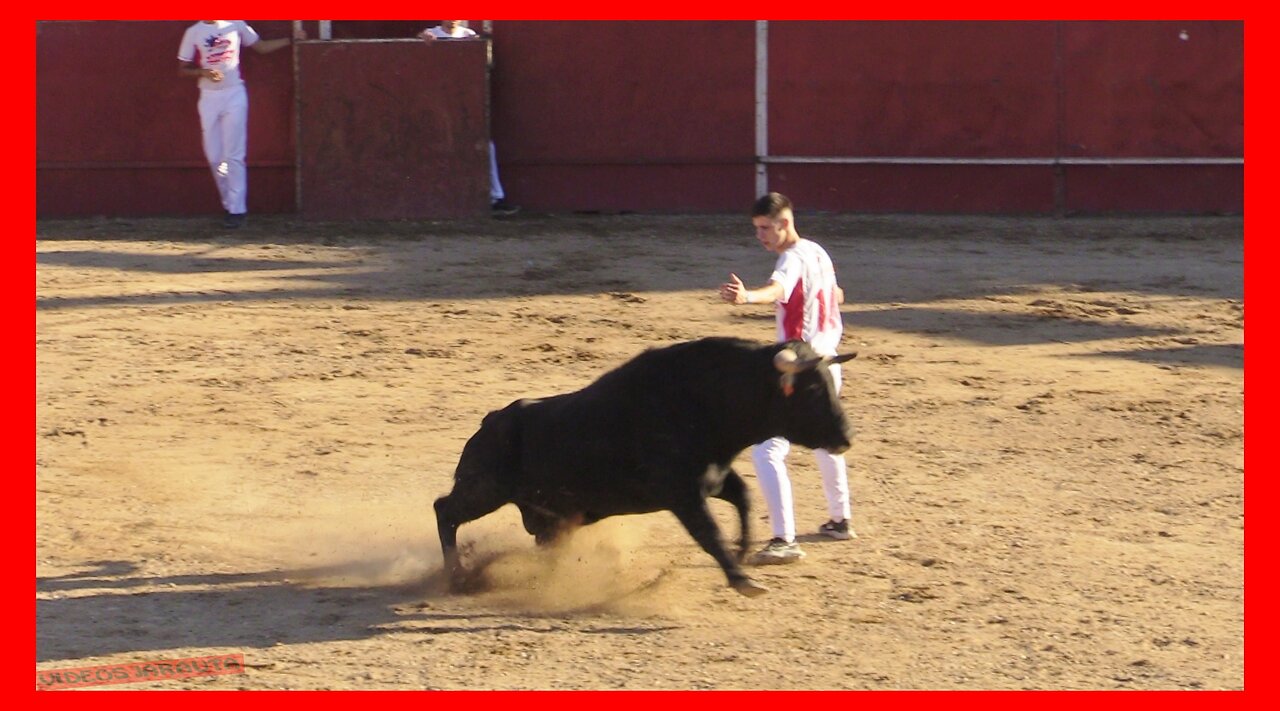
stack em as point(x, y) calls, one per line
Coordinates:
point(957, 89)
point(1140, 89)
point(646, 116)
point(660, 116)
point(1137, 89)
point(1009, 90)
point(913, 90)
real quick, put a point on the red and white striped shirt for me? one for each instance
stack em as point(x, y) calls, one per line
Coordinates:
point(808, 309)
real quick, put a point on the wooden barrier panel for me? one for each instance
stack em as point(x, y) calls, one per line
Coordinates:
point(393, 129)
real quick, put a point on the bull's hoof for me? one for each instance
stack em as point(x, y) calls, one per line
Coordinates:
point(749, 587)
point(465, 582)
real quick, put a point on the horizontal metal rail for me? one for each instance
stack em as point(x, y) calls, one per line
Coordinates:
point(781, 160)
point(147, 164)
point(905, 160)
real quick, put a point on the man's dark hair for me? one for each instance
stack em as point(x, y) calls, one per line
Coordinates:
point(770, 206)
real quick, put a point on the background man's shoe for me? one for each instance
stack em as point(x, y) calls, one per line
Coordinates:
point(502, 207)
point(839, 531)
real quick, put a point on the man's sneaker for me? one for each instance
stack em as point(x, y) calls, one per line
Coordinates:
point(502, 207)
point(778, 551)
point(839, 531)
point(233, 221)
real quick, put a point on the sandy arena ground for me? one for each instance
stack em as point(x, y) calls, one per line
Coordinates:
point(239, 438)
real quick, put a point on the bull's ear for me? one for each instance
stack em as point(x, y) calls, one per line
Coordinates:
point(844, 357)
point(810, 363)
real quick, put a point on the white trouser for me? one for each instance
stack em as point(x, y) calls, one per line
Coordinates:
point(495, 185)
point(770, 457)
point(224, 123)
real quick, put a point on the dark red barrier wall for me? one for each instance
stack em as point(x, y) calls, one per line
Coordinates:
point(660, 116)
point(1141, 89)
point(1009, 90)
point(1163, 89)
point(955, 89)
point(913, 90)
point(648, 116)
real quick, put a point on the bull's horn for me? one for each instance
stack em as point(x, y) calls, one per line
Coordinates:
point(786, 361)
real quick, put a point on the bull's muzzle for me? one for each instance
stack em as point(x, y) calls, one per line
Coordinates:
point(840, 448)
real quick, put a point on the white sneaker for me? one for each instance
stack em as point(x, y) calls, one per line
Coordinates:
point(778, 551)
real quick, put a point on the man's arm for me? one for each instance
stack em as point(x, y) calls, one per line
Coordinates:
point(735, 292)
point(269, 46)
point(190, 69)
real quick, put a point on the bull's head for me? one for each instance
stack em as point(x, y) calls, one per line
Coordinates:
point(814, 417)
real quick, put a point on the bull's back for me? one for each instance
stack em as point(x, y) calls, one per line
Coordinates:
point(624, 443)
point(594, 452)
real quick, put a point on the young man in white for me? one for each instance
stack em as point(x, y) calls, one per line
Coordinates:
point(448, 29)
point(210, 50)
point(803, 285)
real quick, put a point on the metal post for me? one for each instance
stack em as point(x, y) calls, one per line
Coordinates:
point(297, 128)
point(1060, 121)
point(762, 107)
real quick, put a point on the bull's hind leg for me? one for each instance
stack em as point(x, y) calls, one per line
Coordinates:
point(546, 528)
point(734, 490)
point(698, 522)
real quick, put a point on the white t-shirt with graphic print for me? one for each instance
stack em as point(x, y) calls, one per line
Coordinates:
point(459, 32)
point(217, 45)
point(808, 309)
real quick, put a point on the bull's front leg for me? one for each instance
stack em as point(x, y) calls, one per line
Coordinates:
point(698, 522)
point(447, 528)
point(734, 490)
point(466, 503)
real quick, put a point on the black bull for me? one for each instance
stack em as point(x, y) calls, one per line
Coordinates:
point(657, 433)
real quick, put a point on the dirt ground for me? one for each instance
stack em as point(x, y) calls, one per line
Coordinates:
point(239, 438)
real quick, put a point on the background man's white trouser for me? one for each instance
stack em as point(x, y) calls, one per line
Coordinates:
point(495, 186)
